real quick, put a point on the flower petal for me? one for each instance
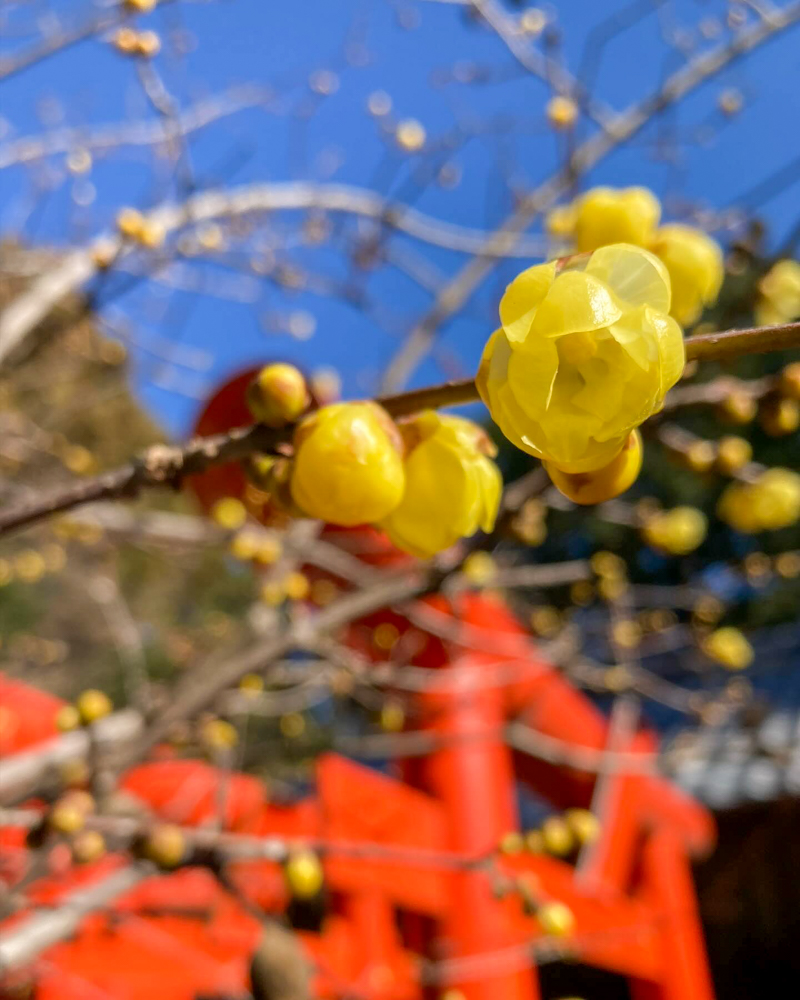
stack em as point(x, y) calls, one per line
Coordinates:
point(638, 277)
point(577, 301)
point(522, 297)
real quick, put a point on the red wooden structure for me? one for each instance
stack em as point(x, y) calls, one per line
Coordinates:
point(420, 900)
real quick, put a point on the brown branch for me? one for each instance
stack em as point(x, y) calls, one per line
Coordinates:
point(165, 465)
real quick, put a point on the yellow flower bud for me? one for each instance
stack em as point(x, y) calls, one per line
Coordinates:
point(562, 112)
point(68, 718)
point(93, 705)
point(348, 467)
point(148, 44)
point(141, 6)
point(769, 503)
point(584, 824)
point(452, 487)
point(780, 416)
point(88, 846)
point(729, 647)
point(511, 843)
point(677, 531)
point(607, 215)
point(129, 223)
point(296, 586)
point(479, 568)
point(585, 354)
point(733, 453)
point(560, 221)
point(125, 40)
point(779, 294)
point(700, 456)
point(789, 381)
point(165, 845)
point(229, 513)
point(219, 735)
point(602, 484)
point(278, 395)
point(695, 266)
point(558, 837)
point(738, 407)
point(410, 135)
point(556, 919)
point(303, 873)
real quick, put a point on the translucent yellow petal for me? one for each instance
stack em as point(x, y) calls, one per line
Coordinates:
point(522, 297)
point(636, 276)
point(532, 373)
point(636, 340)
point(491, 488)
point(577, 301)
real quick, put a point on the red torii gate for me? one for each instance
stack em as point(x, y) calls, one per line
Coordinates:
point(412, 865)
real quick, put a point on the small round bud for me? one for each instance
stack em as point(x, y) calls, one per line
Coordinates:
point(584, 825)
point(219, 735)
point(558, 837)
point(780, 416)
point(93, 705)
point(66, 817)
point(511, 843)
point(88, 846)
point(165, 845)
point(733, 454)
point(393, 717)
point(278, 395)
point(678, 531)
point(67, 718)
point(303, 873)
point(738, 407)
point(789, 381)
point(129, 223)
point(700, 456)
point(556, 919)
point(562, 112)
point(296, 586)
point(602, 484)
point(148, 44)
point(125, 41)
point(229, 513)
point(729, 647)
point(410, 135)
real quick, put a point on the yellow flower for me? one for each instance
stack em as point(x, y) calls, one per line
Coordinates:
point(348, 466)
point(452, 486)
point(585, 354)
point(771, 502)
point(779, 289)
point(677, 531)
point(729, 647)
point(607, 215)
point(695, 266)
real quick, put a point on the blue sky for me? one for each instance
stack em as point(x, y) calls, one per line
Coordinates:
point(407, 50)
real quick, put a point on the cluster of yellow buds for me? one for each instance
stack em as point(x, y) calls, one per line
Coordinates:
point(427, 481)
point(586, 352)
point(134, 226)
point(779, 294)
point(130, 42)
point(772, 501)
point(606, 215)
point(678, 531)
point(91, 706)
